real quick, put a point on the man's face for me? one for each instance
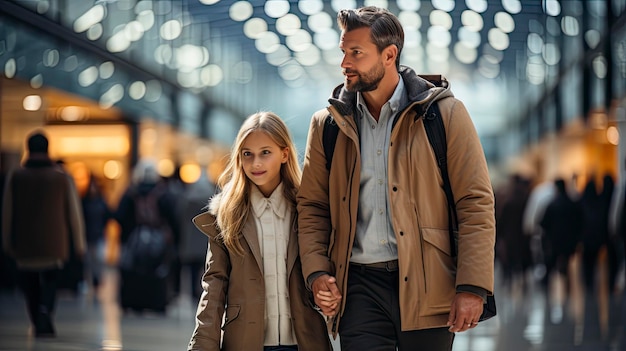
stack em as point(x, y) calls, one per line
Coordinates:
point(362, 63)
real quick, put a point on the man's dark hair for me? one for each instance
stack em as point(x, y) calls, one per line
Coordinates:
point(37, 143)
point(385, 27)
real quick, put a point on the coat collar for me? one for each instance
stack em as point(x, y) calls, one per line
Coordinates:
point(206, 223)
point(419, 91)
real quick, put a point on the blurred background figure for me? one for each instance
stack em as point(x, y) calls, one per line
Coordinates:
point(96, 213)
point(145, 266)
point(512, 245)
point(175, 188)
point(595, 203)
point(41, 216)
point(193, 243)
point(72, 276)
point(617, 230)
point(562, 225)
point(540, 196)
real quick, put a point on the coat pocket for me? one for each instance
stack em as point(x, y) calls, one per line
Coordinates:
point(439, 271)
point(232, 312)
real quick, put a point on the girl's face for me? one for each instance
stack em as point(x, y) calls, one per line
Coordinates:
point(261, 159)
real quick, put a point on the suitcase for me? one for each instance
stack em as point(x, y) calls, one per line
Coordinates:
point(143, 292)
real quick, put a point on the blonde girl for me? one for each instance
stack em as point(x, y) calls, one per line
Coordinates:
point(254, 296)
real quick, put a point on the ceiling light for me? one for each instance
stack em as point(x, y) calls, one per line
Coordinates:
point(472, 20)
point(409, 5)
point(310, 7)
point(254, 28)
point(289, 24)
point(320, 22)
point(479, 6)
point(92, 16)
point(240, 11)
point(32, 103)
point(267, 42)
point(276, 8)
point(171, 30)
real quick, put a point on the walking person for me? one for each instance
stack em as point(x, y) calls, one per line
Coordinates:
point(562, 224)
point(147, 216)
point(373, 228)
point(193, 245)
point(42, 217)
point(253, 272)
point(96, 214)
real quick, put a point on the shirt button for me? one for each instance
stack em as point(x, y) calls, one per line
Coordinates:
point(381, 212)
point(380, 181)
point(373, 126)
point(379, 152)
point(383, 242)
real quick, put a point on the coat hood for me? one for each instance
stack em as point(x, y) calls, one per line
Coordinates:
point(421, 92)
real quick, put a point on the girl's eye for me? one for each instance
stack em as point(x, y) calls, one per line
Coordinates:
point(266, 152)
point(246, 153)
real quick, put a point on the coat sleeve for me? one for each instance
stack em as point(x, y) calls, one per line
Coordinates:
point(473, 194)
point(313, 203)
point(76, 218)
point(207, 333)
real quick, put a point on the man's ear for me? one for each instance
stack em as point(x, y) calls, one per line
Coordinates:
point(389, 54)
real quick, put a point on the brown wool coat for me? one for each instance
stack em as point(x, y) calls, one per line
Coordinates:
point(41, 213)
point(234, 287)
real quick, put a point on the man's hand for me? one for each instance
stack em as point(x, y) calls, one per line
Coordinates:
point(464, 312)
point(326, 294)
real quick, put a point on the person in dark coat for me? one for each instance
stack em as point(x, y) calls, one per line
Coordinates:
point(595, 206)
point(41, 215)
point(193, 243)
point(562, 224)
point(513, 245)
point(140, 290)
point(97, 214)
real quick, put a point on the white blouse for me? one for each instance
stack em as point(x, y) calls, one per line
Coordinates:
point(273, 216)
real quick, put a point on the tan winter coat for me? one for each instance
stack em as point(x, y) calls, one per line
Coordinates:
point(234, 285)
point(328, 203)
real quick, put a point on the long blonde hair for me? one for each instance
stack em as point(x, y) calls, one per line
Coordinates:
point(232, 205)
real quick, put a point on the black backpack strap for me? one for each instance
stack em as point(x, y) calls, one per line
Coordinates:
point(436, 132)
point(329, 138)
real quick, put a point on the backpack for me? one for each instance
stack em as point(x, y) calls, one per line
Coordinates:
point(147, 250)
point(436, 132)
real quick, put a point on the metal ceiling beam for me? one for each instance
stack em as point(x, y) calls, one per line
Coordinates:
point(47, 25)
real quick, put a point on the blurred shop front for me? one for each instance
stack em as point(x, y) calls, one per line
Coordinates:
point(103, 113)
point(91, 141)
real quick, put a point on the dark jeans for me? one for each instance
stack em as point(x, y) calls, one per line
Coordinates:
point(40, 288)
point(371, 320)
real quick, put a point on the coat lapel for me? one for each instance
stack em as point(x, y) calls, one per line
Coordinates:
point(292, 248)
point(251, 236)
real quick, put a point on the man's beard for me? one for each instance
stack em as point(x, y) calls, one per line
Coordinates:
point(367, 81)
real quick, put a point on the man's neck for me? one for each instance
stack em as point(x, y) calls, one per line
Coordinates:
point(375, 99)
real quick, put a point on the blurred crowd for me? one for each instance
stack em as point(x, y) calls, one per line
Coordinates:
point(563, 233)
point(108, 228)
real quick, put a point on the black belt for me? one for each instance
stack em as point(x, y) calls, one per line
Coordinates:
point(389, 266)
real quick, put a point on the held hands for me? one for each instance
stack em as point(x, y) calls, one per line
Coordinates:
point(326, 294)
point(464, 313)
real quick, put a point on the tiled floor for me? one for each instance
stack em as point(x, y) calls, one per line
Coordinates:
point(525, 321)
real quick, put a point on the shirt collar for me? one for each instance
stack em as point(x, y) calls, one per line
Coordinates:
point(276, 201)
point(395, 102)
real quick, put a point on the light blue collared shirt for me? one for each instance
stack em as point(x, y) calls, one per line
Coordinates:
point(375, 240)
